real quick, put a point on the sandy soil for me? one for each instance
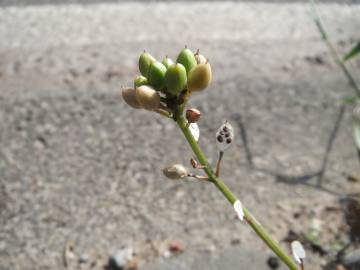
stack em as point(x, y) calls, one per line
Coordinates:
point(77, 164)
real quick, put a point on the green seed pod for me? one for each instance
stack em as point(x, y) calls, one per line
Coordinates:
point(199, 77)
point(147, 97)
point(175, 79)
point(129, 96)
point(187, 59)
point(140, 80)
point(167, 62)
point(156, 75)
point(144, 63)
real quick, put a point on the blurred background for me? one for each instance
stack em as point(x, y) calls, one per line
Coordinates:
point(81, 185)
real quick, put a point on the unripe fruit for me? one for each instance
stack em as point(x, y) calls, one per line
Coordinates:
point(175, 171)
point(147, 97)
point(193, 115)
point(167, 62)
point(199, 77)
point(187, 59)
point(140, 80)
point(129, 96)
point(175, 79)
point(144, 63)
point(156, 75)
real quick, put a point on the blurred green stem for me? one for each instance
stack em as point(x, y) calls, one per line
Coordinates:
point(255, 225)
point(332, 49)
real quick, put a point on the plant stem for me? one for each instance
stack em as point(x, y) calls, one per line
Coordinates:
point(332, 49)
point(255, 225)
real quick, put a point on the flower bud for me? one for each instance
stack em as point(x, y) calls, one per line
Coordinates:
point(156, 75)
point(193, 115)
point(199, 77)
point(144, 63)
point(129, 96)
point(167, 62)
point(175, 171)
point(175, 79)
point(140, 80)
point(187, 59)
point(147, 97)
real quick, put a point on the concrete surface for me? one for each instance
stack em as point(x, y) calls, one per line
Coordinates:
point(78, 164)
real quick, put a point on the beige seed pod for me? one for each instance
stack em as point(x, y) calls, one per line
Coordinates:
point(175, 171)
point(147, 97)
point(199, 77)
point(193, 115)
point(200, 59)
point(129, 96)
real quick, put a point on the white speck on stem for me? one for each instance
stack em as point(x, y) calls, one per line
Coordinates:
point(298, 251)
point(195, 131)
point(239, 210)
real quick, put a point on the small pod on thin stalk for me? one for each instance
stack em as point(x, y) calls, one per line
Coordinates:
point(175, 79)
point(176, 171)
point(199, 77)
point(193, 115)
point(147, 97)
point(224, 136)
point(156, 75)
point(129, 96)
point(140, 80)
point(187, 59)
point(144, 63)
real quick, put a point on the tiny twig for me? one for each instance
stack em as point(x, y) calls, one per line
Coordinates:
point(221, 154)
point(163, 112)
point(199, 177)
point(302, 267)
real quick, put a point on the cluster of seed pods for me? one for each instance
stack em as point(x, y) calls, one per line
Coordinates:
point(162, 85)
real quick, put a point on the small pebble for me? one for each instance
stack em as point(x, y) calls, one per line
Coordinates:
point(273, 262)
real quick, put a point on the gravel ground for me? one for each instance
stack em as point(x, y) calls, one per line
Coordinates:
point(77, 164)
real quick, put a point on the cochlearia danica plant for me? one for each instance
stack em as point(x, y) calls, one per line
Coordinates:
point(166, 87)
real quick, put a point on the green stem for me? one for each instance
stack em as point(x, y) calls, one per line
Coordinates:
point(332, 49)
point(255, 225)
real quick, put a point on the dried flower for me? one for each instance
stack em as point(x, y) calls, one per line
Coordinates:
point(193, 115)
point(175, 171)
